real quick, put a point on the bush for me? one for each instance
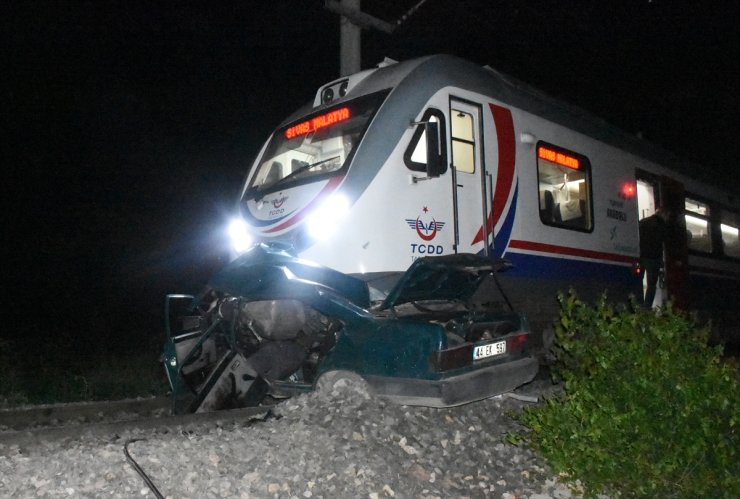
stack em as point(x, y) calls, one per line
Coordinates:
point(649, 410)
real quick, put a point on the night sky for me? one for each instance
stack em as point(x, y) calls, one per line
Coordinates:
point(129, 126)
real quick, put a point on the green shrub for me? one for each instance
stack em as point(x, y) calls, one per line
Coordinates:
point(649, 410)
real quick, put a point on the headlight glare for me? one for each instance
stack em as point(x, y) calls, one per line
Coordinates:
point(241, 240)
point(325, 219)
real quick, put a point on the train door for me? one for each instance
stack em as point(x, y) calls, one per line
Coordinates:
point(468, 176)
point(647, 204)
point(654, 192)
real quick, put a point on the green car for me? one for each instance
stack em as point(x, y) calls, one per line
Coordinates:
point(270, 325)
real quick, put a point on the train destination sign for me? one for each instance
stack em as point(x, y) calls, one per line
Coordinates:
point(320, 121)
point(558, 157)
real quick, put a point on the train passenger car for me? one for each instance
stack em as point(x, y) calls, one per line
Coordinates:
point(437, 155)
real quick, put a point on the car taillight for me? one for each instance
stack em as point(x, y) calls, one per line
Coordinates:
point(517, 342)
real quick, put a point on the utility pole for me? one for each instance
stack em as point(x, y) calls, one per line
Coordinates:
point(351, 22)
point(350, 38)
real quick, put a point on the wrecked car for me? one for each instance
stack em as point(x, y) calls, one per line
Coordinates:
point(270, 325)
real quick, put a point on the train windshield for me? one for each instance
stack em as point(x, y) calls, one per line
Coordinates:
point(315, 146)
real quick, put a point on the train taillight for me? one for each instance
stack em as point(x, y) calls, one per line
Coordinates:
point(628, 190)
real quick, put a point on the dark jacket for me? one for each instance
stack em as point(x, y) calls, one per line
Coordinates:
point(652, 236)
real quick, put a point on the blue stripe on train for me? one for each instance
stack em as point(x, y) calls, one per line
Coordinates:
point(547, 267)
point(501, 241)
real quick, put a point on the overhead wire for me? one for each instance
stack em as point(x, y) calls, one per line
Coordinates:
point(409, 12)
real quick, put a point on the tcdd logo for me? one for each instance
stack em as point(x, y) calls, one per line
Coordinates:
point(427, 249)
point(425, 230)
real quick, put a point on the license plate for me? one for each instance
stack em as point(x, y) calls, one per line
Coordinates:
point(489, 350)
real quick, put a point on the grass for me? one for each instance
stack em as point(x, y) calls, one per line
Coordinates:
point(63, 380)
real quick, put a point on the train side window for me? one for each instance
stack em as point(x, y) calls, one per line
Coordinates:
point(463, 141)
point(415, 156)
point(729, 228)
point(698, 232)
point(564, 180)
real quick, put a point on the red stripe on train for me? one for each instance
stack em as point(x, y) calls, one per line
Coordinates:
point(506, 160)
point(566, 250)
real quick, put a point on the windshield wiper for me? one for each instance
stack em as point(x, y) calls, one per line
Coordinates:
point(257, 192)
point(302, 169)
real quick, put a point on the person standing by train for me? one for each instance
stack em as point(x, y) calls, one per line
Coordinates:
point(653, 231)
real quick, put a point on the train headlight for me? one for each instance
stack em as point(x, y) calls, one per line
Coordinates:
point(241, 240)
point(323, 222)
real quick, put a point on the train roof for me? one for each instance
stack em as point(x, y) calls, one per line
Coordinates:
point(418, 79)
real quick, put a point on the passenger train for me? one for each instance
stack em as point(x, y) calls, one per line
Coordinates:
point(438, 155)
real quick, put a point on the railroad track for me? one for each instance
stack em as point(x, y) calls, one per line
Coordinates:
point(28, 430)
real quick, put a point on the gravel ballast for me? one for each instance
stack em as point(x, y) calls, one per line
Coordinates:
point(338, 442)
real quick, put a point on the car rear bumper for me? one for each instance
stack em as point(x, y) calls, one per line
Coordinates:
point(457, 389)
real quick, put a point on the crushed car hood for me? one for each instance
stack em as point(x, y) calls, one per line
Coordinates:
point(271, 271)
point(449, 277)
